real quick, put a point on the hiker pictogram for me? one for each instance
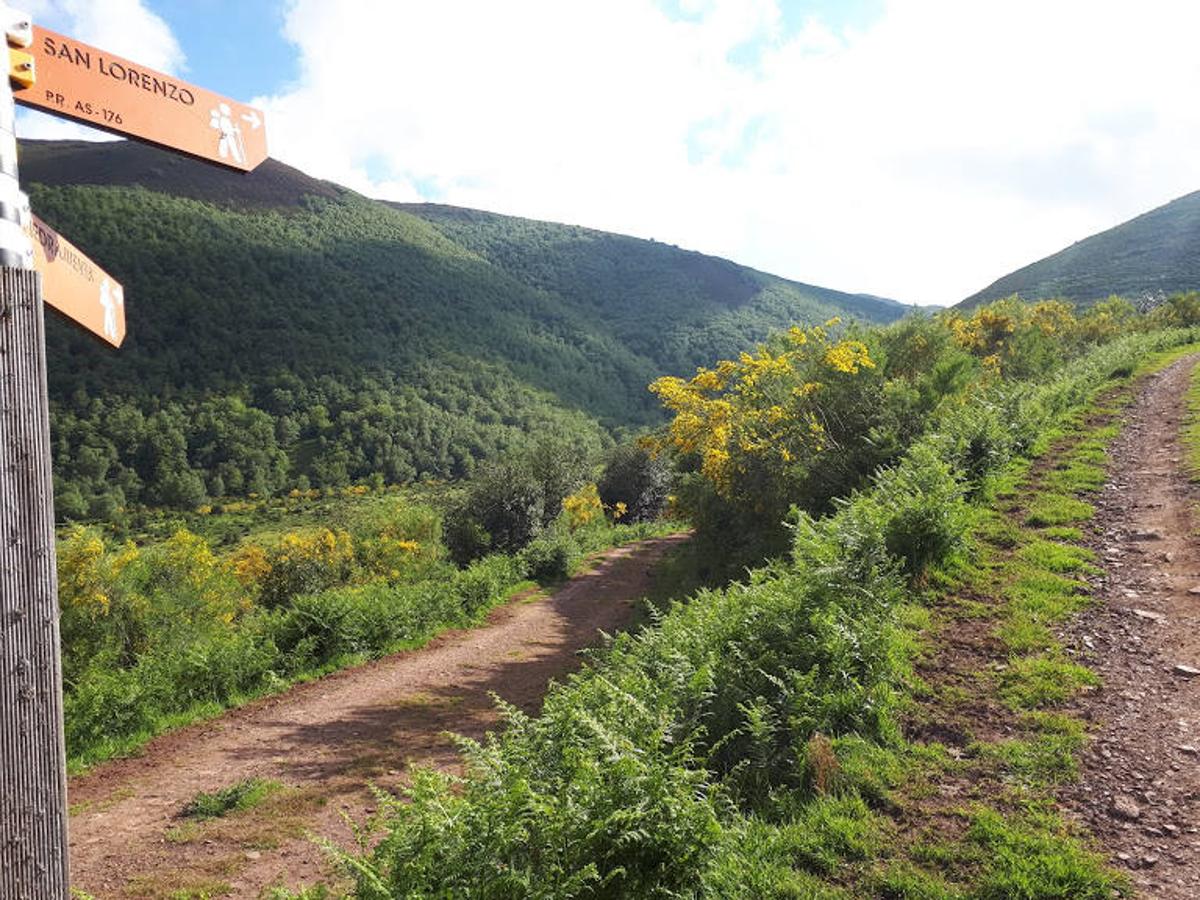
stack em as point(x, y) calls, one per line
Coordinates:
point(230, 145)
point(112, 299)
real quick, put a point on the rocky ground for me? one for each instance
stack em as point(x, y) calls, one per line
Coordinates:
point(1139, 791)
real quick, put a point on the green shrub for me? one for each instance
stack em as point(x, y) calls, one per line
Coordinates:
point(924, 514)
point(206, 646)
point(374, 618)
point(511, 503)
point(486, 582)
point(466, 539)
point(107, 704)
point(502, 512)
point(214, 669)
point(640, 481)
point(552, 556)
point(976, 442)
point(808, 651)
point(304, 564)
point(609, 820)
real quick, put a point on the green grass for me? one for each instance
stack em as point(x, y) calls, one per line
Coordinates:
point(1023, 573)
point(1156, 362)
point(1023, 570)
point(243, 795)
point(1034, 857)
point(902, 880)
point(1046, 758)
point(1053, 508)
point(1079, 475)
point(824, 833)
point(1044, 594)
point(998, 530)
point(1023, 634)
point(1191, 428)
point(1057, 557)
point(1035, 682)
point(1069, 533)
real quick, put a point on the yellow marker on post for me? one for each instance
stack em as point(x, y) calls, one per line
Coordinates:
point(21, 71)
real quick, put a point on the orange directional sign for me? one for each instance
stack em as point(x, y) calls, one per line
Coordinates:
point(76, 286)
point(93, 86)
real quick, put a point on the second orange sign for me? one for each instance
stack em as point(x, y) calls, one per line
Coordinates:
point(76, 286)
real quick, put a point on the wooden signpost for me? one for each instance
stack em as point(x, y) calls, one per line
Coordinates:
point(68, 78)
point(89, 85)
point(76, 286)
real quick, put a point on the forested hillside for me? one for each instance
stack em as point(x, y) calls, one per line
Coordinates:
point(674, 307)
point(1145, 260)
point(285, 332)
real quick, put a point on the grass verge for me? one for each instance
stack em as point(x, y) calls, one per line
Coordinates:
point(998, 691)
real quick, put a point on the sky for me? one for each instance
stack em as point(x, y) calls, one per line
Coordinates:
point(914, 149)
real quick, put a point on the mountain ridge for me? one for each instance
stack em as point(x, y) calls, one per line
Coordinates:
point(1144, 259)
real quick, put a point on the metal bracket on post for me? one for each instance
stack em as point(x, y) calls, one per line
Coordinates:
point(33, 787)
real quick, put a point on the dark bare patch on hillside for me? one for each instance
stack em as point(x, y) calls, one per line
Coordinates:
point(128, 164)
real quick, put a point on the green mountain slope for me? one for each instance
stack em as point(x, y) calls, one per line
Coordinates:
point(676, 307)
point(1146, 258)
point(354, 337)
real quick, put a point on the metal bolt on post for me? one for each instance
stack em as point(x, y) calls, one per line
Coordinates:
point(33, 807)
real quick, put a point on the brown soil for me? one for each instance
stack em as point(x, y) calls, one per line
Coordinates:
point(1139, 792)
point(326, 742)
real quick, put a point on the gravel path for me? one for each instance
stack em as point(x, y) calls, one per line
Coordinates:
point(1139, 791)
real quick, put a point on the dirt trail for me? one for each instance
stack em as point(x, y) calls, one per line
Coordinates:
point(1139, 791)
point(325, 741)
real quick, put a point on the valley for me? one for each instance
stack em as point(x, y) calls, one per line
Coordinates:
point(338, 521)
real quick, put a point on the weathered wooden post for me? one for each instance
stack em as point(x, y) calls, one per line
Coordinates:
point(33, 769)
point(33, 785)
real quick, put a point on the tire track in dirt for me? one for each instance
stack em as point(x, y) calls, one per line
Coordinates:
point(1139, 790)
point(326, 740)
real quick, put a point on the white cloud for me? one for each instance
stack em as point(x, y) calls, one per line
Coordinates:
point(123, 27)
point(126, 28)
point(919, 156)
point(938, 147)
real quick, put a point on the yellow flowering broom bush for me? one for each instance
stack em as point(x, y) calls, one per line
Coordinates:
point(99, 612)
point(789, 423)
point(809, 416)
point(306, 562)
